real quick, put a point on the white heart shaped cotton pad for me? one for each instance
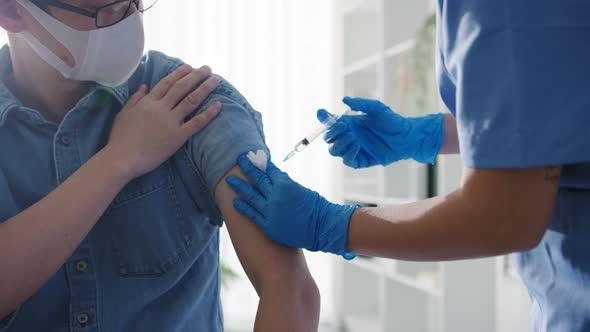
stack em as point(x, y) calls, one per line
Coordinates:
point(258, 159)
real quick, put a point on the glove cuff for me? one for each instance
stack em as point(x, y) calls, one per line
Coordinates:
point(430, 130)
point(333, 237)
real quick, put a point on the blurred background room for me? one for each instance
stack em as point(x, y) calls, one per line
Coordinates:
point(289, 58)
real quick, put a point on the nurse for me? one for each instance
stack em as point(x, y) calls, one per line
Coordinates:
point(514, 77)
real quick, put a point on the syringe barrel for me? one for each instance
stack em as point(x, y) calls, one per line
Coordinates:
point(322, 128)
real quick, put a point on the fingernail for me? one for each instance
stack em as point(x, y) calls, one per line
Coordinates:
point(206, 69)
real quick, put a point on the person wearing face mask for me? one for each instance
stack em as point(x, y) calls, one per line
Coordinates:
point(111, 181)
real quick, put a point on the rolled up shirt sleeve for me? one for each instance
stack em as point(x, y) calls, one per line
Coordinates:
point(236, 130)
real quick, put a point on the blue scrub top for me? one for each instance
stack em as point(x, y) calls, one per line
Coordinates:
point(516, 76)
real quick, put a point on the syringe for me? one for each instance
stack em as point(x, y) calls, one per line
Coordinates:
point(313, 135)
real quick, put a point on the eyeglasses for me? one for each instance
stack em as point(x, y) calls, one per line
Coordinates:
point(107, 15)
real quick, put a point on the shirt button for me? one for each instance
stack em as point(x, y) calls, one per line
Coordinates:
point(66, 140)
point(83, 318)
point(81, 266)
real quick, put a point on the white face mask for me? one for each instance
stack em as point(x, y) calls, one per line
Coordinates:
point(108, 55)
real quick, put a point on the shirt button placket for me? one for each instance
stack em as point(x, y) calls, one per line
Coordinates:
point(81, 266)
point(66, 140)
point(80, 274)
point(83, 288)
point(83, 319)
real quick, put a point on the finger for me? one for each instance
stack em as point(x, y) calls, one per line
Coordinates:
point(246, 192)
point(202, 120)
point(259, 179)
point(160, 90)
point(183, 86)
point(368, 106)
point(137, 96)
point(363, 161)
point(197, 97)
point(341, 146)
point(351, 163)
point(273, 171)
point(323, 115)
point(250, 213)
point(336, 130)
point(348, 256)
point(349, 156)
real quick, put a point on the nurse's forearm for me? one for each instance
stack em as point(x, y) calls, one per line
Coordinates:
point(35, 243)
point(451, 138)
point(495, 212)
point(430, 230)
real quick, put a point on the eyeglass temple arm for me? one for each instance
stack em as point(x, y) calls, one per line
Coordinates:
point(59, 4)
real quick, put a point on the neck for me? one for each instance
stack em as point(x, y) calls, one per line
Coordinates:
point(39, 86)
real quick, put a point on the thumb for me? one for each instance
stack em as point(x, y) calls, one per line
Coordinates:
point(367, 106)
point(324, 115)
point(273, 171)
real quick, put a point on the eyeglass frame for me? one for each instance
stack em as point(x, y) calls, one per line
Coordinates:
point(94, 14)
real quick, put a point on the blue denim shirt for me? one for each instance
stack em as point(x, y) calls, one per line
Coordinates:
point(151, 262)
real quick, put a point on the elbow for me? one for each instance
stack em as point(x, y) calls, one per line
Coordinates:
point(311, 297)
point(298, 286)
point(532, 228)
point(297, 290)
point(519, 234)
point(308, 302)
point(531, 238)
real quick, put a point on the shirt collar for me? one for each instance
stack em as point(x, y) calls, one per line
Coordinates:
point(121, 92)
point(8, 100)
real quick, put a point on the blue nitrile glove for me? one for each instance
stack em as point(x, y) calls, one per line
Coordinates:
point(289, 213)
point(381, 136)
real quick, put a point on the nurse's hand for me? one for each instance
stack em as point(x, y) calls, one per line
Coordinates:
point(289, 213)
point(381, 137)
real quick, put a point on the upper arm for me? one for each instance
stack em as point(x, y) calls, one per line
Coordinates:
point(263, 260)
point(215, 151)
point(514, 204)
